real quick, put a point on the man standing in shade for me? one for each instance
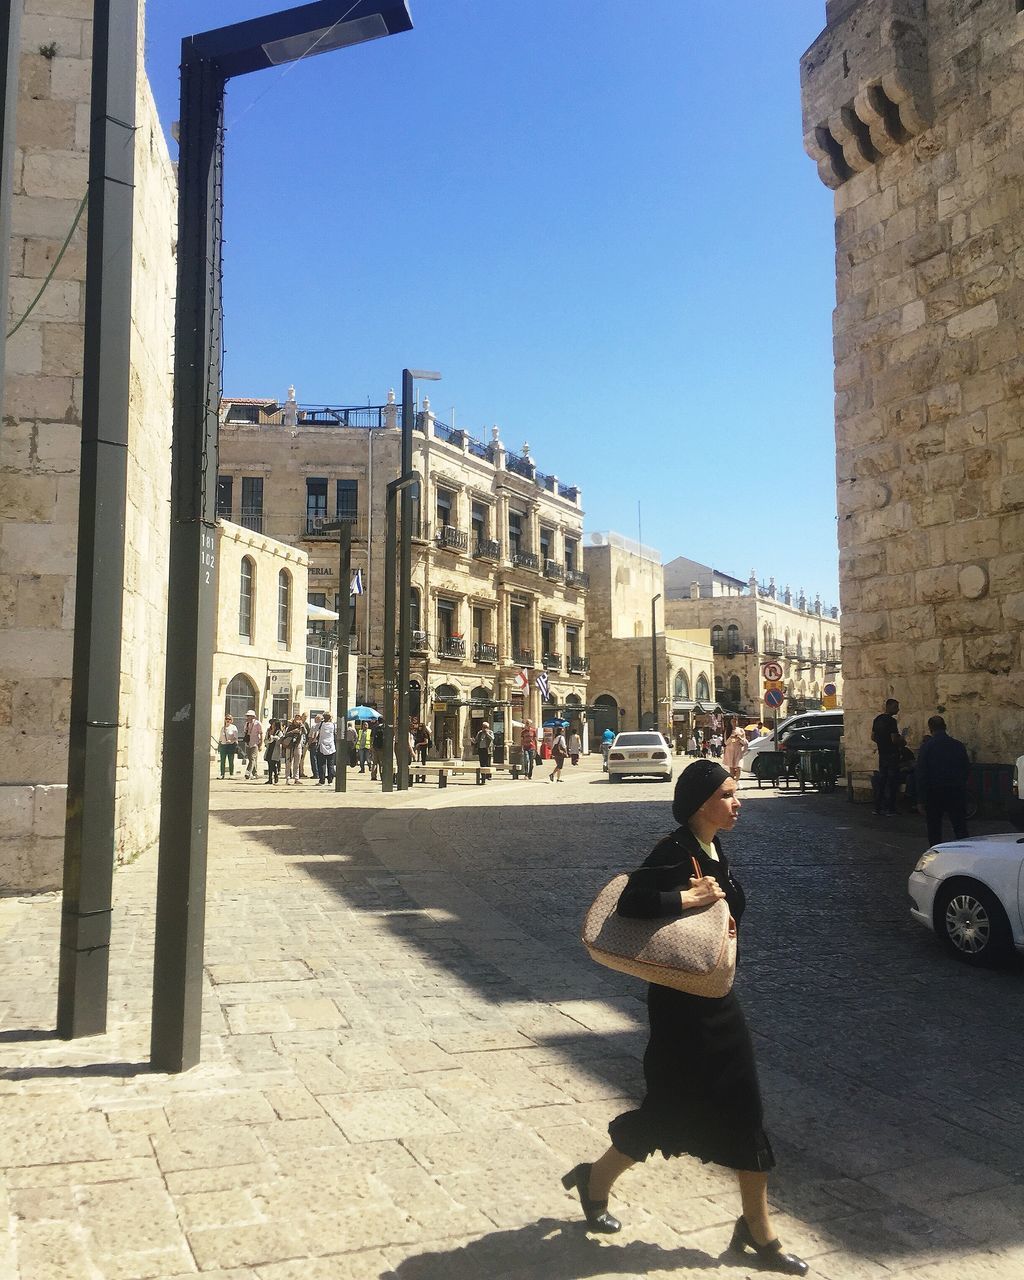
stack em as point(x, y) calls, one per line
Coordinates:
point(251, 739)
point(885, 734)
point(943, 767)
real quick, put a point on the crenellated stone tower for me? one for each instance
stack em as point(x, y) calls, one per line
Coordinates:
point(914, 112)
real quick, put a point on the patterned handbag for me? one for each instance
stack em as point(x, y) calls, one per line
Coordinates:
point(694, 952)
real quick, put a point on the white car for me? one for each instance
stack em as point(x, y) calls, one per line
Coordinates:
point(805, 720)
point(971, 893)
point(639, 754)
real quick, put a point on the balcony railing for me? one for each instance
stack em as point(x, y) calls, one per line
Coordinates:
point(420, 642)
point(834, 659)
point(485, 652)
point(524, 560)
point(314, 525)
point(251, 518)
point(774, 649)
point(552, 569)
point(577, 578)
point(523, 657)
point(451, 647)
point(519, 466)
point(576, 665)
point(452, 539)
point(487, 549)
point(552, 662)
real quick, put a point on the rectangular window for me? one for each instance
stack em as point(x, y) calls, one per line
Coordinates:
point(570, 553)
point(444, 508)
point(316, 503)
point(348, 500)
point(547, 636)
point(319, 664)
point(572, 642)
point(245, 587)
point(547, 541)
point(284, 607)
point(252, 503)
point(515, 532)
point(445, 620)
point(517, 625)
point(480, 522)
point(224, 488)
point(479, 626)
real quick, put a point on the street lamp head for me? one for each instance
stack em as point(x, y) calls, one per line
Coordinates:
point(301, 32)
point(424, 375)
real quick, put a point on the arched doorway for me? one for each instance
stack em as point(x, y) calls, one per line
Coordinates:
point(481, 705)
point(446, 722)
point(605, 715)
point(241, 696)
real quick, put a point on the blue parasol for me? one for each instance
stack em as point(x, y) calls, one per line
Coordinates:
point(362, 713)
point(555, 724)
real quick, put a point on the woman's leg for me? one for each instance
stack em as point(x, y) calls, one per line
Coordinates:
point(754, 1198)
point(605, 1171)
point(223, 758)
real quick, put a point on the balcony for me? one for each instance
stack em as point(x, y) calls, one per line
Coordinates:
point(313, 526)
point(451, 647)
point(553, 570)
point(420, 642)
point(833, 659)
point(251, 518)
point(577, 578)
point(552, 662)
point(487, 549)
point(451, 539)
point(484, 652)
point(523, 657)
point(774, 649)
point(577, 666)
point(524, 560)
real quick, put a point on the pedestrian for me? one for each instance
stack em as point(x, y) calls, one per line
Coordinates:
point(304, 748)
point(559, 751)
point(350, 744)
point(691, 745)
point(364, 745)
point(311, 744)
point(575, 747)
point(607, 738)
point(327, 748)
point(885, 734)
point(423, 742)
point(733, 752)
point(943, 767)
point(483, 742)
point(252, 740)
point(377, 751)
point(227, 745)
point(703, 1097)
point(272, 752)
point(528, 742)
point(291, 750)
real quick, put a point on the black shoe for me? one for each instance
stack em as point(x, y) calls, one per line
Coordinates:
point(769, 1256)
point(595, 1211)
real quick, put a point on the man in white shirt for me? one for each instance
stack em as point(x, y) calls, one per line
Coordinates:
point(327, 746)
point(251, 738)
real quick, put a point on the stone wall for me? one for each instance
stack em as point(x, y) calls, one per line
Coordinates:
point(40, 454)
point(915, 115)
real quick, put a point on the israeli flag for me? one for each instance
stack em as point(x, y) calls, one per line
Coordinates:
point(543, 685)
point(356, 586)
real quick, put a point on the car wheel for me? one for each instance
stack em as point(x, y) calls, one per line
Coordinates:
point(666, 777)
point(615, 777)
point(972, 923)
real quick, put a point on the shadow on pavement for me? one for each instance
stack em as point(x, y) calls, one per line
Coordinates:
point(119, 1070)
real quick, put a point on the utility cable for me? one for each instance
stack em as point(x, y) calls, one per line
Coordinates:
point(56, 264)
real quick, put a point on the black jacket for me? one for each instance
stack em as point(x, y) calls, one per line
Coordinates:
point(942, 762)
point(654, 887)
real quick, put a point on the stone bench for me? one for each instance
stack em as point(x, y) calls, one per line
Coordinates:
point(444, 768)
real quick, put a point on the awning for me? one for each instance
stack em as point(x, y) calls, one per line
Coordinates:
point(320, 614)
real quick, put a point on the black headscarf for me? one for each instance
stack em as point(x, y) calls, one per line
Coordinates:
point(697, 782)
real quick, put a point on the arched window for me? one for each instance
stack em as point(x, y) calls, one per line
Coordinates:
point(681, 688)
point(732, 638)
point(246, 594)
point(812, 648)
point(240, 697)
point(767, 637)
point(735, 691)
point(284, 607)
point(799, 644)
point(717, 637)
point(703, 688)
point(719, 684)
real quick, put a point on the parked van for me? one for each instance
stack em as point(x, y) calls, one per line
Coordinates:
point(804, 720)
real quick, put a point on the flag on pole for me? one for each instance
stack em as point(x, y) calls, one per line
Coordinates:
point(543, 685)
point(356, 585)
point(521, 681)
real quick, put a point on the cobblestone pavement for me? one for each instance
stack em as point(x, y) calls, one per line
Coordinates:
point(405, 1046)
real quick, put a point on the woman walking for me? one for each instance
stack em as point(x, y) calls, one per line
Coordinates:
point(575, 747)
point(272, 754)
point(703, 1097)
point(227, 745)
point(291, 750)
point(735, 748)
point(558, 753)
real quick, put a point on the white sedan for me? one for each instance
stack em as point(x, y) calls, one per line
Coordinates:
point(639, 754)
point(971, 893)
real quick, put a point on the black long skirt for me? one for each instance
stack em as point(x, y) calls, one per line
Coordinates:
point(703, 1097)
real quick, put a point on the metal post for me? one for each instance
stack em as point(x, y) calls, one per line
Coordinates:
point(96, 665)
point(654, 659)
point(192, 583)
point(10, 48)
point(405, 587)
point(387, 765)
point(639, 697)
point(344, 529)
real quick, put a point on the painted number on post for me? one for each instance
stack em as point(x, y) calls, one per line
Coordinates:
point(207, 559)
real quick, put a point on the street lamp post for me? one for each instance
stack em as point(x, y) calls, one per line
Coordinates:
point(654, 657)
point(209, 60)
point(343, 528)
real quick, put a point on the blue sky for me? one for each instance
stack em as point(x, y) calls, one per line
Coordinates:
point(595, 218)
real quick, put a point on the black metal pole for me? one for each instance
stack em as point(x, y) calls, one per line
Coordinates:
point(654, 659)
point(99, 592)
point(344, 643)
point(405, 587)
point(387, 769)
point(639, 697)
point(10, 48)
point(192, 586)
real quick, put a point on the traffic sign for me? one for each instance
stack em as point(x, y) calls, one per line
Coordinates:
point(771, 670)
point(829, 690)
point(774, 698)
point(774, 684)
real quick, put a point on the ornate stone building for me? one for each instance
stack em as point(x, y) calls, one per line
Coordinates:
point(498, 577)
point(914, 113)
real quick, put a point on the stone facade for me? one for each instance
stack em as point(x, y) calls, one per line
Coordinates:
point(915, 115)
point(261, 626)
point(40, 447)
point(625, 577)
point(498, 581)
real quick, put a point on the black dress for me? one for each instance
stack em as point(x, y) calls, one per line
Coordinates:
point(703, 1097)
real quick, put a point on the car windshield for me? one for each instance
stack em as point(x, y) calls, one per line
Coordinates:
point(639, 740)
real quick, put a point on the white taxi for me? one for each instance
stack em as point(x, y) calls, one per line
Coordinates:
point(641, 753)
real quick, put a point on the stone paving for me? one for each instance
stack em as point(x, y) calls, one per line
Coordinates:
point(405, 1046)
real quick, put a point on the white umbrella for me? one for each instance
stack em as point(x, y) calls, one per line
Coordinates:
point(321, 614)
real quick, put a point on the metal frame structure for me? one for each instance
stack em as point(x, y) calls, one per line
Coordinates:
point(10, 45)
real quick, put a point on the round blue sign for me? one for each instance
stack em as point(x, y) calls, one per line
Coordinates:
point(774, 698)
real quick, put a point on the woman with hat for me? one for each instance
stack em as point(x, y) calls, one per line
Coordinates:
point(703, 1097)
